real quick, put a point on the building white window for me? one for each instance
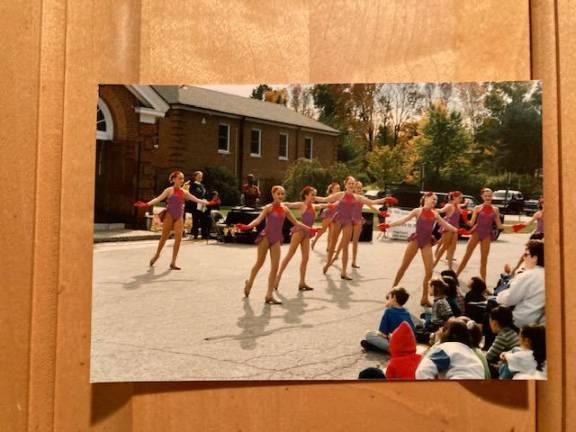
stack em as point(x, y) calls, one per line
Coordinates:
point(256, 143)
point(223, 138)
point(308, 144)
point(104, 123)
point(283, 147)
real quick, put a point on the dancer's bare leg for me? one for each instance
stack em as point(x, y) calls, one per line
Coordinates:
point(428, 259)
point(178, 225)
point(346, 236)
point(274, 264)
point(409, 255)
point(356, 231)
point(294, 243)
point(334, 240)
point(472, 243)
point(484, 251)
point(166, 228)
point(453, 242)
point(323, 229)
point(305, 251)
point(442, 246)
point(262, 249)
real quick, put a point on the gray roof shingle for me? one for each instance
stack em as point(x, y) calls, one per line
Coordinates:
point(243, 106)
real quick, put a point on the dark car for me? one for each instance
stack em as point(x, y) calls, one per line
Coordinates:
point(508, 202)
point(531, 206)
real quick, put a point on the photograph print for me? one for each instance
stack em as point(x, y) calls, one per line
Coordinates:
point(318, 232)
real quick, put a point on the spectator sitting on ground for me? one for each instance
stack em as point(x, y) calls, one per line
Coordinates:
point(394, 315)
point(403, 357)
point(475, 341)
point(452, 295)
point(528, 361)
point(371, 373)
point(475, 300)
point(502, 325)
point(441, 311)
point(459, 296)
point(526, 291)
point(454, 357)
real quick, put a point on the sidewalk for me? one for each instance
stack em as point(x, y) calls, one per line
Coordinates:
point(122, 235)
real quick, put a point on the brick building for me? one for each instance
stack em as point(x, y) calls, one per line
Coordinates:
point(145, 132)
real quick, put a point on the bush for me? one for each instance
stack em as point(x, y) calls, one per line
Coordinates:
point(218, 178)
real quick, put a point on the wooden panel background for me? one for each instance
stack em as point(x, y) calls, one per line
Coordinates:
point(54, 54)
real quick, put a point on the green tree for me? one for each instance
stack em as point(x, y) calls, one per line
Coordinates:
point(260, 91)
point(389, 164)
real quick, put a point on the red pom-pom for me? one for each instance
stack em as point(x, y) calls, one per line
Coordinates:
point(383, 226)
point(463, 232)
point(384, 214)
point(313, 231)
point(243, 227)
point(518, 227)
point(331, 206)
point(391, 200)
point(141, 204)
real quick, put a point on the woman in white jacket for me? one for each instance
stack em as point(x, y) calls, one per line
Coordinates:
point(454, 357)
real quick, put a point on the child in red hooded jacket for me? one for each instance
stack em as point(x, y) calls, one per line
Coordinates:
point(403, 357)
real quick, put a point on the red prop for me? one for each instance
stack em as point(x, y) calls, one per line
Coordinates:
point(518, 227)
point(384, 214)
point(243, 227)
point(391, 200)
point(383, 226)
point(463, 232)
point(141, 204)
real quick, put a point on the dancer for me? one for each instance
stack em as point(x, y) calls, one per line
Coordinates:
point(171, 217)
point(327, 216)
point(449, 239)
point(301, 237)
point(483, 217)
point(358, 221)
point(538, 233)
point(422, 239)
point(344, 220)
point(270, 239)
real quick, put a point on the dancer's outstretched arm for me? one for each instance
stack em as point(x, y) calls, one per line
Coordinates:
point(197, 200)
point(159, 198)
point(405, 219)
point(444, 209)
point(474, 216)
point(295, 221)
point(445, 224)
point(294, 205)
point(499, 223)
point(260, 217)
point(330, 198)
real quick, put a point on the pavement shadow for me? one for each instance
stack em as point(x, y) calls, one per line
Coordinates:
point(296, 308)
point(253, 326)
point(144, 279)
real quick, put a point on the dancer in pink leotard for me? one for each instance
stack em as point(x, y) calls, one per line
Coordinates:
point(300, 236)
point(327, 216)
point(172, 215)
point(484, 217)
point(449, 239)
point(344, 220)
point(422, 240)
point(270, 239)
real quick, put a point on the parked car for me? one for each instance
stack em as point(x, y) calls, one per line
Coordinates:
point(531, 206)
point(508, 202)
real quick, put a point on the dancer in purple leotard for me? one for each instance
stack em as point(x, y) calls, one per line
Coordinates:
point(270, 239)
point(357, 221)
point(175, 197)
point(449, 239)
point(422, 240)
point(538, 233)
point(344, 221)
point(327, 216)
point(300, 236)
point(483, 218)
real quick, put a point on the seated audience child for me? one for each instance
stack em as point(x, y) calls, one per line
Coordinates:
point(526, 292)
point(459, 296)
point(452, 295)
point(441, 311)
point(502, 325)
point(454, 356)
point(403, 357)
point(475, 300)
point(394, 315)
point(371, 373)
point(475, 341)
point(528, 361)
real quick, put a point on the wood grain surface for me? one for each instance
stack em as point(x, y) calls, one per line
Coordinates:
point(55, 52)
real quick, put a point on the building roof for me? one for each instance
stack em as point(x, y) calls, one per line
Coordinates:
point(212, 100)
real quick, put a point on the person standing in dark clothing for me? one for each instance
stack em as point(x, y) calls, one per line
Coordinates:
point(251, 192)
point(198, 215)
